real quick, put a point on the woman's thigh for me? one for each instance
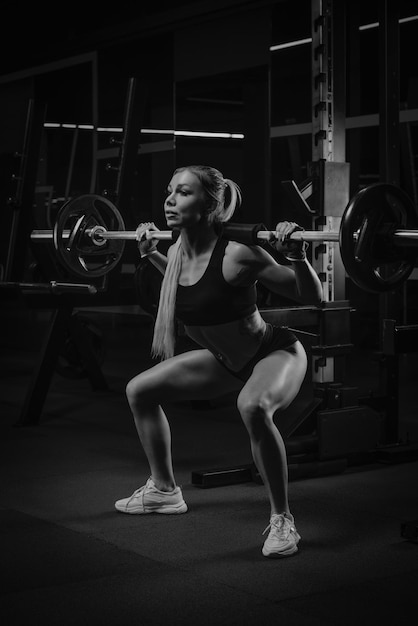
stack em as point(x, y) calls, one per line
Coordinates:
point(276, 379)
point(191, 375)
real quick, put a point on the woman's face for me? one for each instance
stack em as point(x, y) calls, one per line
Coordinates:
point(186, 201)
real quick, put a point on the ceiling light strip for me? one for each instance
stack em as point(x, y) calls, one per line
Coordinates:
point(301, 42)
point(149, 131)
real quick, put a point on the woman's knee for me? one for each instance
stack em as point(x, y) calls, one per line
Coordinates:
point(256, 410)
point(138, 391)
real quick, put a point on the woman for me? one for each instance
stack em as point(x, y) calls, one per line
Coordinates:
point(209, 284)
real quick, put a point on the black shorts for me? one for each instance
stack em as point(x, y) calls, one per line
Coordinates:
point(275, 338)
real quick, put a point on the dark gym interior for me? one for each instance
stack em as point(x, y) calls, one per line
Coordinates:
point(311, 106)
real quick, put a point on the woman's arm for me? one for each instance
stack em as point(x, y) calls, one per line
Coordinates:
point(148, 247)
point(298, 281)
point(157, 259)
point(308, 286)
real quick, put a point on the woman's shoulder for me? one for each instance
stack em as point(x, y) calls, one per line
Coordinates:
point(245, 253)
point(243, 263)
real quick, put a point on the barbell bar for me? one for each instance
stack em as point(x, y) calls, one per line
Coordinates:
point(377, 236)
point(99, 234)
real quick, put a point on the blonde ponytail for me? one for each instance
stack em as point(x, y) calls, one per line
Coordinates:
point(235, 200)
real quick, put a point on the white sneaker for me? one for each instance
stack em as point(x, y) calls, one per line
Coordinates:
point(283, 537)
point(149, 499)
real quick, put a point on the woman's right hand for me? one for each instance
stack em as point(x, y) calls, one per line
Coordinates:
point(146, 246)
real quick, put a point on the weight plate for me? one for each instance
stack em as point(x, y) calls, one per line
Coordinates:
point(370, 256)
point(75, 249)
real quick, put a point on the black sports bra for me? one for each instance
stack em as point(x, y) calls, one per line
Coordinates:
point(212, 300)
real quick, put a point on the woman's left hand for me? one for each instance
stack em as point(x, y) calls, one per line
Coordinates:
point(292, 249)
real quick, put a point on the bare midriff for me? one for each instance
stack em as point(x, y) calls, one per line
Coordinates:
point(233, 343)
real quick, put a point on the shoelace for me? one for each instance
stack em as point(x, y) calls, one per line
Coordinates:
point(281, 525)
point(138, 492)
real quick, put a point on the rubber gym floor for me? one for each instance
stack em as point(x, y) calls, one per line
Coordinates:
point(68, 558)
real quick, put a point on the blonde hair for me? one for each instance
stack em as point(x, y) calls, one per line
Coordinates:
point(215, 187)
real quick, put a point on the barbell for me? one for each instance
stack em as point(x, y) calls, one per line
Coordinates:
point(377, 236)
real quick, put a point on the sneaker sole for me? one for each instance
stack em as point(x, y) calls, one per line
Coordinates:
point(280, 555)
point(166, 510)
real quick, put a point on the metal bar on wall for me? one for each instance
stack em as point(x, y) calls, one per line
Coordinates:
point(389, 153)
